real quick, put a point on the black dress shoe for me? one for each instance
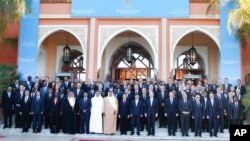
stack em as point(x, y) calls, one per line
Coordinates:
point(169, 134)
point(222, 131)
point(215, 135)
point(153, 134)
point(138, 134)
point(132, 133)
point(187, 135)
point(149, 134)
point(200, 136)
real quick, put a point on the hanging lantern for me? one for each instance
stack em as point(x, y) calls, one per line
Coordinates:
point(129, 55)
point(193, 55)
point(81, 62)
point(66, 54)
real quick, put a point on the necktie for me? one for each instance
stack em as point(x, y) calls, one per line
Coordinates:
point(171, 100)
point(198, 103)
point(212, 103)
point(236, 105)
point(151, 102)
point(124, 100)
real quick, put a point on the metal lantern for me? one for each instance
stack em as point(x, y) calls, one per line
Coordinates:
point(129, 55)
point(81, 62)
point(193, 55)
point(66, 54)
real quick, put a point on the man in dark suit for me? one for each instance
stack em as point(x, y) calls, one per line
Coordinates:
point(37, 109)
point(170, 86)
point(44, 90)
point(222, 105)
point(15, 85)
point(241, 87)
point(236, 112)
point(25, 111)
point(143, 98)
point(171, 112)
point(185, 107)
point(226, 85)
point(213, 115)
point(136, 111)
point(78, 92)
point(8, 106)
point(123, 114)
point(151, 112)
point(66, 83)
point(198, 114)
point(47, 98)
point(161, 97)
point(18, 97)
point(29, 83)
point(84, 105)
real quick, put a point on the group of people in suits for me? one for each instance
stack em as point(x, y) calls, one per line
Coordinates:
point(95, 107)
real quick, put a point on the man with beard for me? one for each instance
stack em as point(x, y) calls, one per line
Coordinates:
point(110, 113)
point(69, 111)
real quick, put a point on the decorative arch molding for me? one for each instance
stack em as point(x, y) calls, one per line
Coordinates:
point(108, 32)
point(79, 31)
point(178, 32)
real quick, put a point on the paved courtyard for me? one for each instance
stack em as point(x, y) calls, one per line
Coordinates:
point(161, 134)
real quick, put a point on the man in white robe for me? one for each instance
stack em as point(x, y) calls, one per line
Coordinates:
point(95, 125)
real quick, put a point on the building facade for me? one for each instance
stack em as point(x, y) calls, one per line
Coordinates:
point(160, 46)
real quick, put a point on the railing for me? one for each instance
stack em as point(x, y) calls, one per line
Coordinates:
point(201, 1)
point(55, 1)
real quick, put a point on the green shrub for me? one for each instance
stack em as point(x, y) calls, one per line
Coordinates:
point(8, 73)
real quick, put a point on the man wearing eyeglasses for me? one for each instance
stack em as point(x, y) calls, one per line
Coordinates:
point(198, 114)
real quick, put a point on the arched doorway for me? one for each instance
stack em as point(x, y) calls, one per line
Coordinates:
point(140, 67)
point(208, 54)
point(113, 63)
point(50, 53)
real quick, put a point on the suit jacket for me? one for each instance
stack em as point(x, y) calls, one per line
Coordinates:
point(124, 108)
point(212, 111)
point(185, 107)
point(29, 85)
point(242, 89)
point(228, 86)
point(161, 98)
point(55, 108)
point(26, 107)
point(37, 106)
point(18, 98)
point(151, 109)
point(171, 108)
point(8, 102)
point(235, 113)
point(222, 103)
point(171, 87)
point(85, 105)
point(136, 110)
point(44, 91)
point(198, 110)
point(78, 95)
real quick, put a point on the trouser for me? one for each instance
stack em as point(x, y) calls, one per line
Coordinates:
point(7, 117)
point(123, 124)
point(37, 122)
point(151, 124)
point(213, 124)
point(162, 122)
point(84, 123)
point(135, 123)
point(198, 125)
point(25, 121)
point(185, 124)
point(171, 123)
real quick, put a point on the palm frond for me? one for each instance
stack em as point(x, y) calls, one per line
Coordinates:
point(213, 4)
